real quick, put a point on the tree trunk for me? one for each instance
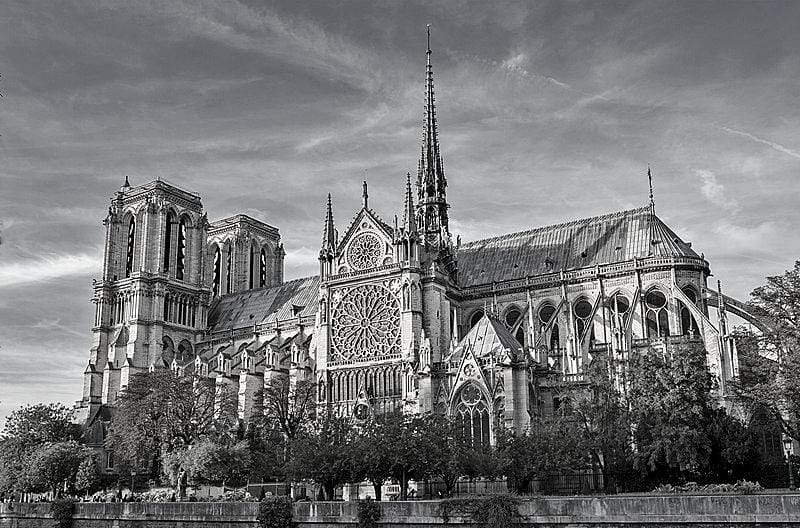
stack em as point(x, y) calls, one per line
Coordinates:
point(330, 491)
point(377, 487)
point(404, 485)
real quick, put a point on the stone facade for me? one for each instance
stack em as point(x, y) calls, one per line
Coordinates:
point(400, 316)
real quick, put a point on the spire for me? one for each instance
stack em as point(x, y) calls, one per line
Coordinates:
point(126, 185)
point(650, 181)
point(328, 233)
point(364, 195)
point(409, 220)
point(431, 181)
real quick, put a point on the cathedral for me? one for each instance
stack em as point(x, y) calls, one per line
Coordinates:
point(401, 315)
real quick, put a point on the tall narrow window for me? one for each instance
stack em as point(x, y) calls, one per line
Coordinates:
point(228, 266)
point(657, 315)
point(583, 317)
point(180, 263)
point(263, 268)
point(514, 322)
point(688, 323)
point(477, 316)
point(472, 412)
point(217, 265)
point(131, 243)
point(168, 240)
point(252, 264)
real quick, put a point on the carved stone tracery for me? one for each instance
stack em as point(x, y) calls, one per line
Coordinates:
point(366, 324)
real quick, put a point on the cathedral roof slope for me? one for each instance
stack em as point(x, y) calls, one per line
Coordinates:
point(296, 298)
point(488, 338)
point(614, 237)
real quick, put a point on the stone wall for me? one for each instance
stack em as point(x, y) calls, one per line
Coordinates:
point(590, 512)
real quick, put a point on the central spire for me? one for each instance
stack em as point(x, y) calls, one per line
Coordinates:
point(431, 182)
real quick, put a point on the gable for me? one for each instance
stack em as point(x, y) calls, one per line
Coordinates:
point(366, 245)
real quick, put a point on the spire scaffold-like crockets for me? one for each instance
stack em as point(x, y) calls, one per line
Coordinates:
point(329, 232)
point(431, 181)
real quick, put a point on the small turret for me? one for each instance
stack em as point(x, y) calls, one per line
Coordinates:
point(328, 249)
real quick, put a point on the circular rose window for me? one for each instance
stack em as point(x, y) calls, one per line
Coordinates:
point(364, 251)
point(365, 324)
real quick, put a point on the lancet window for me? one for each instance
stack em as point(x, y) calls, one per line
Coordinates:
point(229, 270)
point(263, 268)
point(514, 322)
point(180, 261)
point(130, 247)
point(688, 323)
point(217, 271)
point(168, 235)
point(657, 314)
point(473, 415)
point(583, 317)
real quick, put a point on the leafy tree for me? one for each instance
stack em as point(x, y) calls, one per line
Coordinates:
point(208, 462)
point(159, 412)
point(267, 447)
point(321, 452)
point(290, 403)
point(27, 429)
point(602, 421)
point(371, 458)
point(770, 377)
point(670, 398)
point(407, 443)
point(87, 477)
point(546, 447)
point(54, 466)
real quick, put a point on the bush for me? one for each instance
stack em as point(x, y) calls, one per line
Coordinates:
point(743, 487)
point(369, 512)
point(62, 511)
point(275, 512)
point(490, 511)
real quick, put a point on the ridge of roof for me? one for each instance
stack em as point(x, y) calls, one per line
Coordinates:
point(570, 223)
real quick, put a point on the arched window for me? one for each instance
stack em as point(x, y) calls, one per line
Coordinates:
point(657, 315)
point(251, 268)
point(583, 317)
point(228, 270)
point(688, 322)
point(167, 349)
point(262, 269)
point(476, 316)
point(619, 306)
point(513, 320)
point(131, 244)
point(180, 261)
point(472, 414)
point(217, 270)
point(168, 239)
point(547, 314)
point(185, 352)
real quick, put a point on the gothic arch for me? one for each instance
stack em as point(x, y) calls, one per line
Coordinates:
point(475, 316)
point(170, 236)
point(515, 322)
point(472, 413)
point(167, 349)
point(183, 246)
point(656, 303)
point(582, 312)
point(216, 269)
point(185, 351)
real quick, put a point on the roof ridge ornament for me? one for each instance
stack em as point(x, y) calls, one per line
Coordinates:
point(650, 181)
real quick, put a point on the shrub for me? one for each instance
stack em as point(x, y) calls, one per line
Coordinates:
point(62, 511)
point(744, 487)
point(369, 512)
point(490, 511)
point(275, 512)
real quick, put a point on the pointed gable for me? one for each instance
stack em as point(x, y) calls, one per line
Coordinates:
point(366, 244)
point(489, 338)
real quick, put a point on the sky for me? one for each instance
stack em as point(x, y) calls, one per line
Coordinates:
point(548, 112)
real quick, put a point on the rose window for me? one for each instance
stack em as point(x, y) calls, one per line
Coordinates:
point(364, 251)
point(366, 324)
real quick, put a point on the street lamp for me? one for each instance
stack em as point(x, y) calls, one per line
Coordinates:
point(133, 475)
point(787, 445)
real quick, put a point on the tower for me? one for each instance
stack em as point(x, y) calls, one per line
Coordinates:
point(151, 302)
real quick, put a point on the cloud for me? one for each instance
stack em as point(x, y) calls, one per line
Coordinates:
point(48, 268)
point(771, 144)
point(713, 190)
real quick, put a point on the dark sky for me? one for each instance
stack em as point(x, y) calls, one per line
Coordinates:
point(548, 111)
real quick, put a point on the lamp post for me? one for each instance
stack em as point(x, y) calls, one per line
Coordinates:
point(133, 475)
point(787, 445)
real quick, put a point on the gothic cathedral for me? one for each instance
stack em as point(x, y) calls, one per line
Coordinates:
point(400, 316)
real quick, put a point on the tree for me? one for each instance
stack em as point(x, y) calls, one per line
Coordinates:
point(546, 447)
point(371, 458)
point(208, 462)
point(54, 466)
point(322, 452)
point(602, 421)
point(27, 429)
point(670, 398)
point(446, 451)
point(407, 442)
point(290, 403)
point(771, 379)
point(159, 412)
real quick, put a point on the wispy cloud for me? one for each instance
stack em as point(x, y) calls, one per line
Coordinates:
point(48, 268)
point(713, 190)
point(771, 144)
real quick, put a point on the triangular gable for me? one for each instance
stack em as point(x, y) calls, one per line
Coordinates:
point(365, 221)
point(489, 338)
point(470, 371)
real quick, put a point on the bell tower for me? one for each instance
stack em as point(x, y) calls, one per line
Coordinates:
point(151, 302)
